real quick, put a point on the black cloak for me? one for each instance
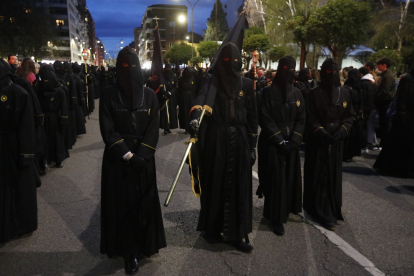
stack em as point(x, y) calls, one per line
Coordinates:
point(18, 204)
point(131, 219)
point(185, 93)
point(170, 122)
point(281, 118)
point(397, 156)
point(230, 135)
point(329, 118)
point(53, 102)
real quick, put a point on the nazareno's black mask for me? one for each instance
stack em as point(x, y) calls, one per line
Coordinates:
point(227, 70)
point(130, 78)
point(304, 75)
point(58, 66)
point(285, 72)
point(47, 79)
point(67, 67)
point(330, 75)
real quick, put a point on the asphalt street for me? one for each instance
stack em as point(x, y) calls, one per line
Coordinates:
point(376, 237)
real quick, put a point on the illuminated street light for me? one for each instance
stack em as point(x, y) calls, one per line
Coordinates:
point(181, 18)
point(122, 42)
point(187, 37)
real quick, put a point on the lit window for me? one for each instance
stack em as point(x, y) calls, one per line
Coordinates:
point(60, 22)
point(86, 19)
point(28, 10)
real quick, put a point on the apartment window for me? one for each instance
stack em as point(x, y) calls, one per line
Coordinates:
point(86, 19)
point(171, 44)
point(60, 22)
point(63, 32)
point(56, 10)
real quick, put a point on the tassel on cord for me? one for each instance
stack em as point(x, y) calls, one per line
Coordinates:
point(194, 140)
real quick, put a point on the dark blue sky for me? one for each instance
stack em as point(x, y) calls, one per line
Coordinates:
point(116, 19)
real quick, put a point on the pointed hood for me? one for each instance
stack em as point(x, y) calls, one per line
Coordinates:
point(58, 66)
point(285, 72)
point(67, 66)
point(157, 78)
point(167, 73)
point(235, 36)
point(48, 80)
point(329, 76)
point(129, 77)
point(228, 69)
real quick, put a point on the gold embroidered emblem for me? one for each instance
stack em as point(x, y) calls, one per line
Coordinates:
point(298, 103)
point(192, 82)
point(149, 111)
point(241, 93)
point(3, 98)
point(68, 83)
point(172, 82)
point(344, 104)
point(52, 99)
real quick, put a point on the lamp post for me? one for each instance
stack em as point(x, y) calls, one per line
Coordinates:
point(122, 42)
point(85, 55)
point(192, 25)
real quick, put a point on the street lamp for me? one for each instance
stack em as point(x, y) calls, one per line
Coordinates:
point(192, 25)
point(180, 19)
point(122, 42)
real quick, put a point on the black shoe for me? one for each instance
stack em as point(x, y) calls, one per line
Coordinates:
point(213, 237)
point(59, 165)
point(169, 131)
point(165, 132)
point(44, 171)
point(131, 265)
point(278, 229)
point(329, 226)
point(243, 246)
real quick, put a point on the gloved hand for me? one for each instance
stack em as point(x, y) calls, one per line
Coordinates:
point(284, 148)
point(137, 162)
point(194, 122)
point(252, 156)
point(337, 136)
point(167, 95)
point(328, 139)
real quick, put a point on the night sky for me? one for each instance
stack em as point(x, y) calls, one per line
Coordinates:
point(116, 19)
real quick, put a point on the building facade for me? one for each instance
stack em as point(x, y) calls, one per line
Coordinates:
point(75, 29)
point(172, 25)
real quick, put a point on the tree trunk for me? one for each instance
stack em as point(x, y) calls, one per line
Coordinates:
point(401, 24)
point(303, 54)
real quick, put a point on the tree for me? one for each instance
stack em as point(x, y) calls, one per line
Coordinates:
point(179, 53)
point(24, 30)
point(207, 49)
point(362, 56)
point(195, 61)
point(339, 25)
point(276, 53)
point(396, 59)
point(217, 26)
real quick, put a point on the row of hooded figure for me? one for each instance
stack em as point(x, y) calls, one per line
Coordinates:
point(39, 123)
point(181, 87)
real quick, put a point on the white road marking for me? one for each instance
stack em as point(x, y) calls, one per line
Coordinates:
point(255, 175)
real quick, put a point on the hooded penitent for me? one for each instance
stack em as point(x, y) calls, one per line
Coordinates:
point(285, 72)
point(47, 79)
point(67, 67)
point(129, 77)
point(304, 75)
point(329, 76)
point(76, 68)
point(167, 73)
point(354, 79)
point(58, 66)
point(227, 70)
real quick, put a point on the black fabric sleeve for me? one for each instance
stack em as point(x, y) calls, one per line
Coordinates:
point(151, 135)
point(26, 129)
point(266, 121)
point(113, 141)
point(252, 117)
point(63, 119)
point(315, 127)
point(298, 130)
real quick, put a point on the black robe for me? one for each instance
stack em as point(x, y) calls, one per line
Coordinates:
point(280, 175)
point(397, 156)
point(53, 103)
point(355, 141)
point(131, 219)
point(226, 173)
point(68, 86)
point(322, 197)
point(79, 107)
point(18, 204)
point(185, 93)
point(171, 86)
